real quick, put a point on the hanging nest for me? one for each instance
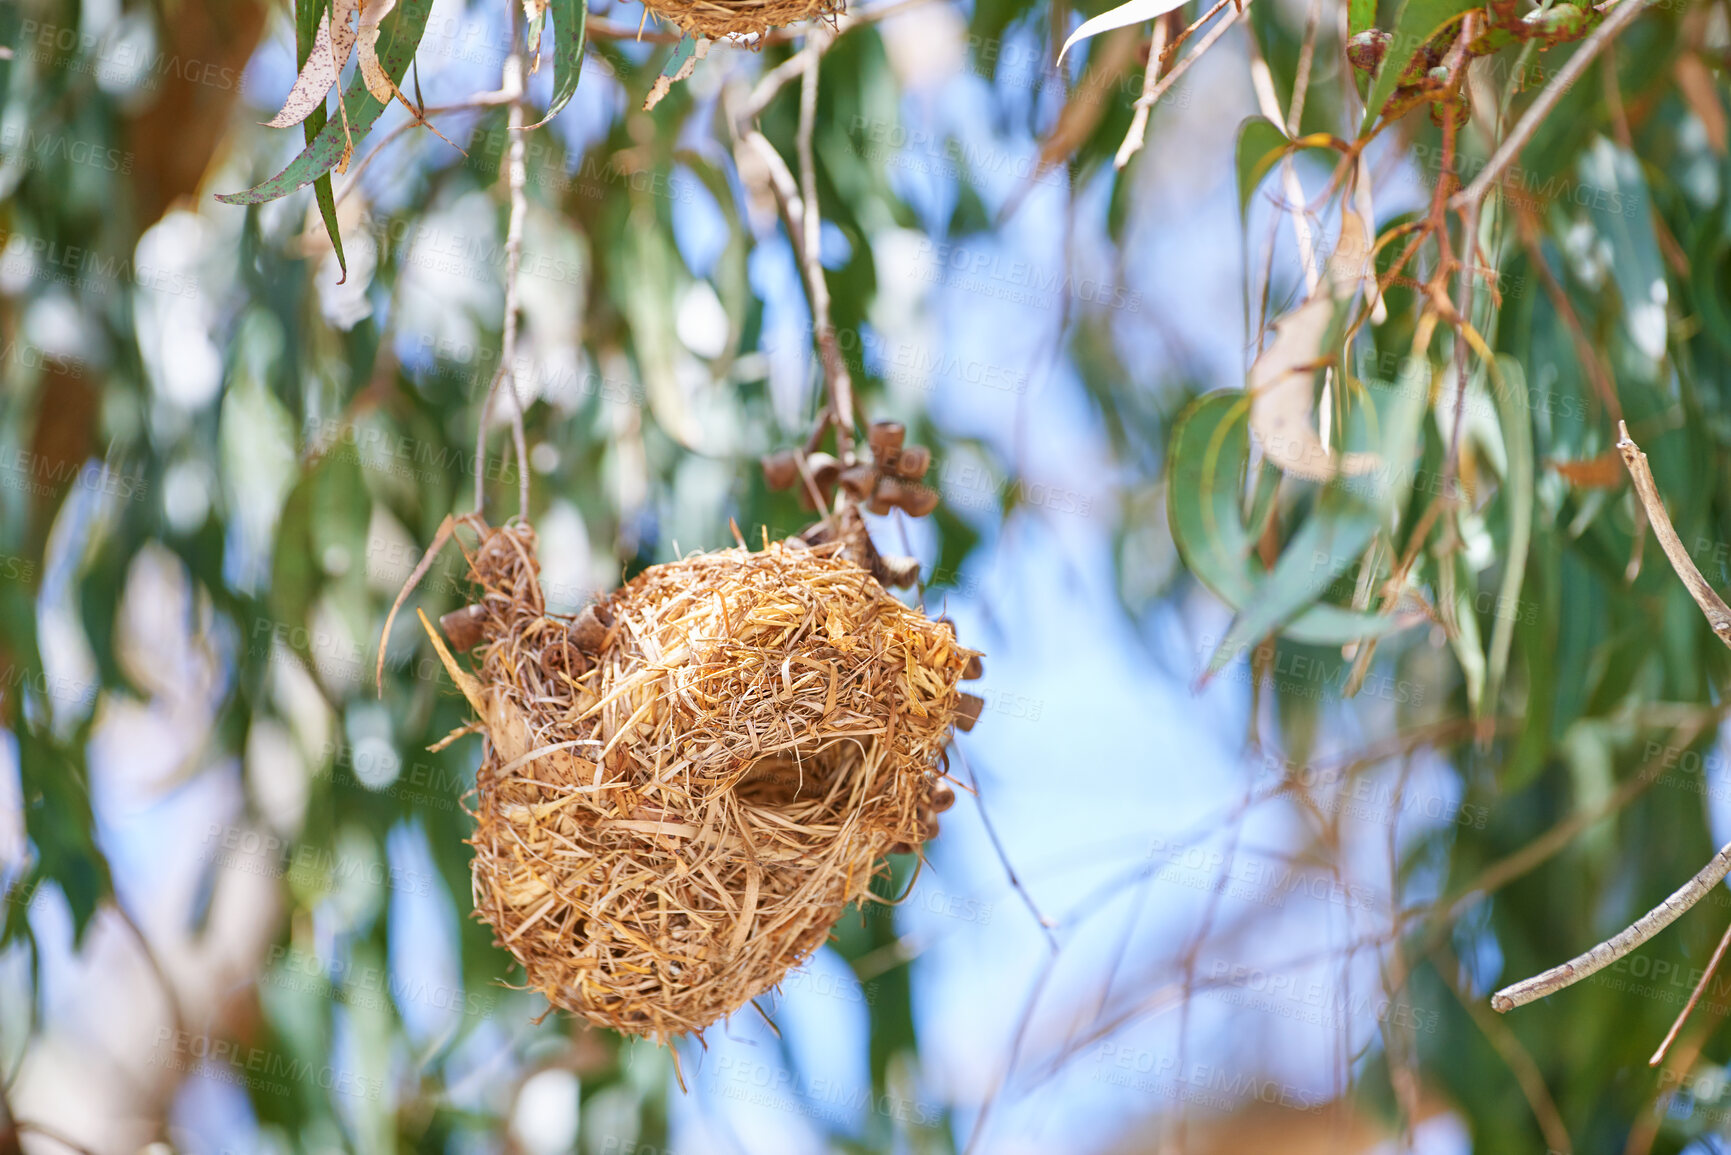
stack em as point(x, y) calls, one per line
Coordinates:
point(684, 785)
point(714, 19)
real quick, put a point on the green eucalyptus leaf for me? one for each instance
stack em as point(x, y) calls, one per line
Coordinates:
point(60, 825)
point(569, 20)
point(399, 36)
point(1204, 486)
point(1516, 420)
point(1261, 144)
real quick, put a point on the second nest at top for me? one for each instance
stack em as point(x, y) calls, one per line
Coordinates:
point(685, 787)
point(715, 19)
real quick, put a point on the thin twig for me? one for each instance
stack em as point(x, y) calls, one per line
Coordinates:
point(1471, 222)
point(1148, 99)
point(1670, 1083)
point(1620, 18)
point(798, 204)
point(1712, 605)
point(1301, 78)
point(1694, 997)
point(770, 84)
point(473, 104)
point(1471, 217)
point(518, 171)
point(1614, 948)
point(1183, 35)
point(517, 177)
point(835, 366)
point(1045, 923)
point(1528, 1075)
point(1138, 131)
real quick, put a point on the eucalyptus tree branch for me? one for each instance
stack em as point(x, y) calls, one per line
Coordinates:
point(1138, 131)
point(770, 84)
point(1712, 605)
point(1186, 32)
point(517, 178)
point(797, 202)
point(1301, 78)
point(835, 366)
point(1620, 18)
point(1152, 96)
point(1614, 948)
point(783, 186)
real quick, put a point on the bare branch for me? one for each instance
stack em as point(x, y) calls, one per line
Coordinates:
point(835, 367)
point(1614, 948)
point(1138, 132)
point(1718, 613)
point(799, 211)
point(1148, 98)
point(517, 178)
point(1620, 18)
point(1301, 78)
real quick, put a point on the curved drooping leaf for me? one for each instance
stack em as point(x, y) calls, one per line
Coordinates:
point(1204, 483)
point(1261, 144)
point(1516, 419)
point(569, 20)
point(1126, 14)
point(1338, 528)
point(309, 18)
point(398, 38)
point(61, 827)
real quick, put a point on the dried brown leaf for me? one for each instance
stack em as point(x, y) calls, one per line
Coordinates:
point(314, 81)
point(373, 74)
point(1702, 93)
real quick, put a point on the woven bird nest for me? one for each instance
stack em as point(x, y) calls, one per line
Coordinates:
point(714, 19)
point(684, 785)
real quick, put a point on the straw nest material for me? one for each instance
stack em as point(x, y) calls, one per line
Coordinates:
point(714, 19)
point(684, 785)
